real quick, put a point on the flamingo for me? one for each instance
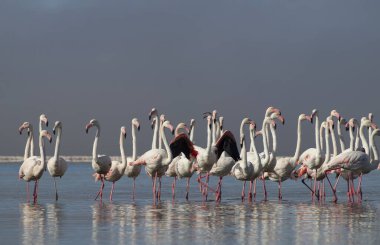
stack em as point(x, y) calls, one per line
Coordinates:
point(356, 161)
point(56, 165)
point(284, 166)
point(117, 168)
point(156, 160)
point(27, 151)
point(191, 130)
point(171, 171)
point(153, 115)
point(33, 167)
point(243, 169)
point(133, 171)
point(101, 164)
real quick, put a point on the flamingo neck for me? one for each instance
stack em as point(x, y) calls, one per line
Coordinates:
point(134, 145)
point(95, 146)
point(208, 149)
point(42, 153)
point(375, 159)
point(352, 139)
point(57, 143)
point(214, 132)
point(192, 134)
point(265, 144)
point(274, 138)
point(327, 142)
point(160, 136)
point(341, 138)
point(299, 138)
point(167, 148)
point(251, 137)
point(31, 133)
point(333, 139)
point(364, 140)
point(155, 133)
point(317, 143)
point(321, 136)
point(122, 152)
point(27, 146)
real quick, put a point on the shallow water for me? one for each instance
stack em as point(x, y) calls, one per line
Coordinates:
point(76, 218)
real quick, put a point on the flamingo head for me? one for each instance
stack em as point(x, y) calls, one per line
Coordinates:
point(302, 117)
point(57, 124)
point(153, 113)
point(45, 133)
point(271, 110)
point(181, 126)
point(168, 125)
point(336, 114)
point(221, 119)
point(370, 116)
point(301, 171)
point(25, 125)
point(123, 131)
point(91, 124)
point(153, 123)
point(44, 119)
point(136, 123)
point(367, 123)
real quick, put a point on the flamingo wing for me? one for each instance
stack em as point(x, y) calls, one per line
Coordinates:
point(228, 144)
point(182, 144)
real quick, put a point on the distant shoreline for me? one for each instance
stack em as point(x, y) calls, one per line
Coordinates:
point(72, 159)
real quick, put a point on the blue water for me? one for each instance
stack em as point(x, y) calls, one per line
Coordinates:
point(77, 219)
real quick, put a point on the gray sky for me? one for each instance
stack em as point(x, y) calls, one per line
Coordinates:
point(114, 60)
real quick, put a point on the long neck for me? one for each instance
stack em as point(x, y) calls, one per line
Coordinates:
point(155, 133)
point(317, 143)
point(267, 135)
point(374, 149)
point(214, 133)
point(251, 137)
point(364, 140)
point(134, 145)
point(208, 138)
point(40, 126)
point(333, 139)
point(357, 139)
point(27, 146)
point(298, 147)
point(321, 136)
point(327, 140)
point(167, 148)
point(243, 155)
point(370, 145)
point(42, 153)
point(341, 139)
point(265, 144)
point(192, 134)
point(352, 139)
point(57, 143)
point(159, 136)
point(122, 152)
point(95, 146)
point(217, 131)
point(274, 138)
point(31, 142)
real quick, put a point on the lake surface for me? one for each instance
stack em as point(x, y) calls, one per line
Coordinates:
point(77, 219)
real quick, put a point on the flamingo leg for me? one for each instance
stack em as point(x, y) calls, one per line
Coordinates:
point(35, 191)
point(187, 188)
point(254, 189)
point(352, 188)
point(279, 190)
point(55, 187)
point(250, 191)
point(219, 191)
point(113, 186)
point(159, 189)
point(315, 186)
point(337, 181)
point(173, 188)
point(134, 187)
point(27, 192)
point(100, 193)
point(264, 189)
point(303, 182)
point(359, 191)
point(335, 199)
point(243, 192)
point(206, 190)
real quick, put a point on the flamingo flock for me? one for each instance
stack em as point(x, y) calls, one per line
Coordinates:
point(181, 157)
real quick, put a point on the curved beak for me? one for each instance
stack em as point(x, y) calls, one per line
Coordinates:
point(373, 126)
point(347, 126)
point(282, 119)
point(54, 131)
point(309, 118)
point(88, 126)
point(301, 171)
point(138, 127)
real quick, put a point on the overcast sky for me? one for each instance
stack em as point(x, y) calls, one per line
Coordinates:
point(114, 60)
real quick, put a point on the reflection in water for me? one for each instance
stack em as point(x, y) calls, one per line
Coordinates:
point(266, 222)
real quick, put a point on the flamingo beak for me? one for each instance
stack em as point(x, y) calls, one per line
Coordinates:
point(54, 131)
point(87, 127)
point(138, 127)
point(282, 119)
point(310, 119)
point(373, 126)
point(347, 126)
point(301, 171)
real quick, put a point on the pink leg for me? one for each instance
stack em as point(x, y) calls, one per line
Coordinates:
point(279, 190)
point(113, 186)
point(159, 188)
point(199, 179)
point(187, 188)
point(27, 192)
point(219, 195)
point(173, 188)
point(35, 191)
point(250, 191)
point(254, 189)
point(337, 181)
point(348, 191)
point(100, 192)
point(243, 192)
point(264, 189)
point(206, 191)
point(134, 187)
point(359, 191)
point(315, 185)
point(335, 199)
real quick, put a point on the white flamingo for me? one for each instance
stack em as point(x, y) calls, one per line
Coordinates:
point(117, 168)
point(27, 151)
point(34, 166)
point(285, 165)
point(155, 160)
point(101, 164)
point(56, 165)
point(133, 171)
